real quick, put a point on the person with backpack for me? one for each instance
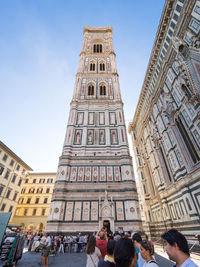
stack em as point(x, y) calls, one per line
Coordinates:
point(147, 252)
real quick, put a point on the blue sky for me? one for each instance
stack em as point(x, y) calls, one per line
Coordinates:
point(40, 42)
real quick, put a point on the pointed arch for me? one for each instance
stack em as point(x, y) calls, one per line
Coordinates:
point(90, 89)
point(102, 89)
point(97, 48)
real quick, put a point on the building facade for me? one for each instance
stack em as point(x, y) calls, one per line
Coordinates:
point(95, 184)
point(166, 125)
point(34, 202)
point(13, 172)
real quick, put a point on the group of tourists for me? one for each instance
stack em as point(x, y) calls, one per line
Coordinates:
point(59, 243)
point(128, 250)
point(105, 249)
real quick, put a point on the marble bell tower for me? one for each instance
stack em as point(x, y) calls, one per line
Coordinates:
point(95, 183)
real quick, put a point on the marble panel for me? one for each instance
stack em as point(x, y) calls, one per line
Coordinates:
point(86, 211)
point(94, 211)
point(73, 174)
point(80, 174)
point(117, 173)
point(88, 174)
point(77, 211)
point(120, 210)
point(102, 174)
point(95, 174)
point(69, 211)
point(110, 173)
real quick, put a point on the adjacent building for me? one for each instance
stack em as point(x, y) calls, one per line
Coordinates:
point(13, 172)
point(33, 205)
point(95, 184)
point(166, 125)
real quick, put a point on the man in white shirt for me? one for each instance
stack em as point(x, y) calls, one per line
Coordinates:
point(177, 249)
point(46, 250)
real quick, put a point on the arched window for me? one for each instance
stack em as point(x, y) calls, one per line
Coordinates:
point(92, 67)
point(102, 67)
point(97, 48)
point(91, 90)
point(102, 90)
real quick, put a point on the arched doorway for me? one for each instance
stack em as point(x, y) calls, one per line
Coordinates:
point(30, 228)
point(106, 224)
point(40, 227)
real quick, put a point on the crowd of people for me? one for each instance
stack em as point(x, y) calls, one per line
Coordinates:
point(105, 249)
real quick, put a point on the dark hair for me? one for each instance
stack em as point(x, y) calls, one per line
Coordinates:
point(137, 237)
point(124, 252)
point(91, 245)
point(148, 246)
point(173, 236)
point(110, 246)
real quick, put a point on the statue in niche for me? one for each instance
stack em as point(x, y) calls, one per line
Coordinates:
point(195, 42)
point(80, 118)
point(106, 195)
point(78, 138)
point(90, 137)
point(114, 137)
point(102, 137)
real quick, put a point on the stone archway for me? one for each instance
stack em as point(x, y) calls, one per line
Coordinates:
point(106, 217)
point(106, 224)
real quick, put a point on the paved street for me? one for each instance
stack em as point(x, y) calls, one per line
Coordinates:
point(32, 259)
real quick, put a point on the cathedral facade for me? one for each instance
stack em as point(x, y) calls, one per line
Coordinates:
point(95, 184)
point(166, 125)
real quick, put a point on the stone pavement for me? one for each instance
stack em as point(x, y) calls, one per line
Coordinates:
point(31, 259)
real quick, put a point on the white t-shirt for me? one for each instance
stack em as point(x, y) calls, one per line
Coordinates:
point(151, 263)
point(48, 241)
point(140, 261)
point(95, 257)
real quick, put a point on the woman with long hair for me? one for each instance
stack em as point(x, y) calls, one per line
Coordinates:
point(93, 253)
point(124, 253)
point(147, 252)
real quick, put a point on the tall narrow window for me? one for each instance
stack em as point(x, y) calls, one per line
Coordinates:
point(34, 212)
point(187, 140)
point(25, 212)
point(3, 207)
point(91, 90)
point(97, 48)
point(102, 90)
point(102, 67)
point(92, 66)
point(43, 212)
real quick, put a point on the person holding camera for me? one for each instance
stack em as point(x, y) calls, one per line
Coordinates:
point(101, 241)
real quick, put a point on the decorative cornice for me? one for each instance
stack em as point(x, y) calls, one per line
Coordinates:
point(154, 55)
point(9, 151)
point(97, 29)
point(41, 173)
point(96, 75)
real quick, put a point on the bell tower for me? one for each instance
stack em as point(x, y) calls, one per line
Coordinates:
point(95, 182)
